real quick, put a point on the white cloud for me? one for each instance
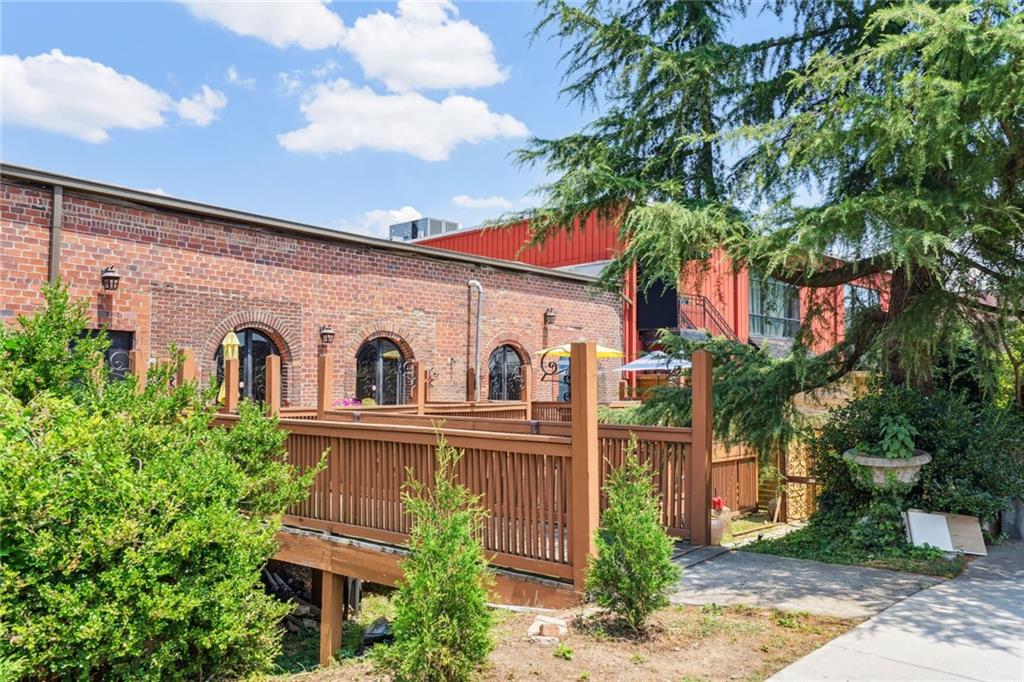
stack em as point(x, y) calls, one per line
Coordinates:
point(423, 46)
point(496, 201)
point(289, 82)
point(202, 107)
point(307, 24)
point(376, 222)
point(342, 118)
point(76, 96)
point(156, 190)
point(235, 79)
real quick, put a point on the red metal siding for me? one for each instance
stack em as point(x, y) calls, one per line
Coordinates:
point(724, 284)
point(594, 242)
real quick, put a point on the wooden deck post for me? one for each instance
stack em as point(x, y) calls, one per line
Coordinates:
point(273, 385)
point(419, 389)
point(527, 371)
point(324, 384)
point(470, 384)
point(586, 484)
point(137, 365)
point(698, 464)
point(230, 386)
point(187, 369)
point(332, 613)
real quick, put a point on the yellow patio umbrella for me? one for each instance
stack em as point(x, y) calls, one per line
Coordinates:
point(565, 350)
point(229, 346)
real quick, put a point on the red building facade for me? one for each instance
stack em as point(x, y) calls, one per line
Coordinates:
point(717, 295)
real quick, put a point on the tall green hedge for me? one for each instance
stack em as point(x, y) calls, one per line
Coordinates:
point(132, 533)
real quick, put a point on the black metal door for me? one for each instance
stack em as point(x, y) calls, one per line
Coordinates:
point(253, 349)
point(116, 355)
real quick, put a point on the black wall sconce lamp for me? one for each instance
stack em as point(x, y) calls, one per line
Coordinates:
point(549, 316)
point(326, 334)
point(110, 278)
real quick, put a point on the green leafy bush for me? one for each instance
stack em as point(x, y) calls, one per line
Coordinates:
point(896, 441)
point(132, 533)
point(977, 453)
point(633, 569)
point(977, 467)
point(442, 625)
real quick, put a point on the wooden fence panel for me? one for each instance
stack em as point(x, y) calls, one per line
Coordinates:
point(550, 411)
point(522, 480)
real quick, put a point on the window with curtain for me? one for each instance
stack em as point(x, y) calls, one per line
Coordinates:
point(505, 374)
point(774, 307)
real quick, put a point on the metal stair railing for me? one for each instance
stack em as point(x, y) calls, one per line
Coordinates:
point(703, 315)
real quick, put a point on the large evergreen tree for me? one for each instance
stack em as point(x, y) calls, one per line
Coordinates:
point(874, 138)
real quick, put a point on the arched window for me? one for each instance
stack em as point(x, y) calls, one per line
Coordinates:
point(253, 348)
point(505, 374)
point(379, 364)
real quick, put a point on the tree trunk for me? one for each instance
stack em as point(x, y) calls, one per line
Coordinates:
point(907, 286)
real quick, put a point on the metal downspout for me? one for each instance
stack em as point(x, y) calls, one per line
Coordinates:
point(479, 320)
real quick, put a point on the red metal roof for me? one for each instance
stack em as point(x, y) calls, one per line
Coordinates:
point(595, 242)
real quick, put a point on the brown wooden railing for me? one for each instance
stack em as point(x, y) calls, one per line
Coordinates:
point(525, 484)
point(551, 411)
point(540, 481)
point(664, 449)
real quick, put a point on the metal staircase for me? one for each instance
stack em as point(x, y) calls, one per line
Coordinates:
point(697, 319)
point(697, 312)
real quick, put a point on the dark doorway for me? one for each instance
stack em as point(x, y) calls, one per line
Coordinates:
point(657, 308)
point(379, 376)
point(505, 374)
point(253, 348)
point(116, 355)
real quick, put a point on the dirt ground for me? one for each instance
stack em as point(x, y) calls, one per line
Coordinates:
point(708, 642)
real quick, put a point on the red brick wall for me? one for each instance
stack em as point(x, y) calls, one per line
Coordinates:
point(187, 280)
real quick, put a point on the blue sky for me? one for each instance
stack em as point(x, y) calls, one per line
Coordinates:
point(349, 115)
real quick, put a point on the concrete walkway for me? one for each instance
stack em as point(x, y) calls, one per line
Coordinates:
point(739, 577)
point(968, 628)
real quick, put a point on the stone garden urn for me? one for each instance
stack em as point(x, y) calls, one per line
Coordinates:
point(903, 470)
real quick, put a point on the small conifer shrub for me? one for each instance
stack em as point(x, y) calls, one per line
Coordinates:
point(633, 569)
point(442, 625)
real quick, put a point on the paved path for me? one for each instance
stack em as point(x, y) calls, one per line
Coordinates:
point(795, 585)
point(968, 628)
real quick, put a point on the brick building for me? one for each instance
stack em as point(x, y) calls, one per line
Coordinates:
point(190, 273)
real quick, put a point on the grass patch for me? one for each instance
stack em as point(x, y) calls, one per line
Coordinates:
point(300, 652)
point(680, 644)
point(563, 652)
point(819, 543)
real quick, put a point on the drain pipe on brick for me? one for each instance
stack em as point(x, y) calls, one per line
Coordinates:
point(474, 284)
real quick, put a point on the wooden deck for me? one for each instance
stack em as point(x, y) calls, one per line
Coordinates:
point(539, 480)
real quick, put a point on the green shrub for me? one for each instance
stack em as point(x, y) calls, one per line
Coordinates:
point(442, 623)
point(977, 453)
point(633, 569)
point(132, 533)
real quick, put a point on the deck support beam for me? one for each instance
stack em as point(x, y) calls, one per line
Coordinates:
point(332, 614)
